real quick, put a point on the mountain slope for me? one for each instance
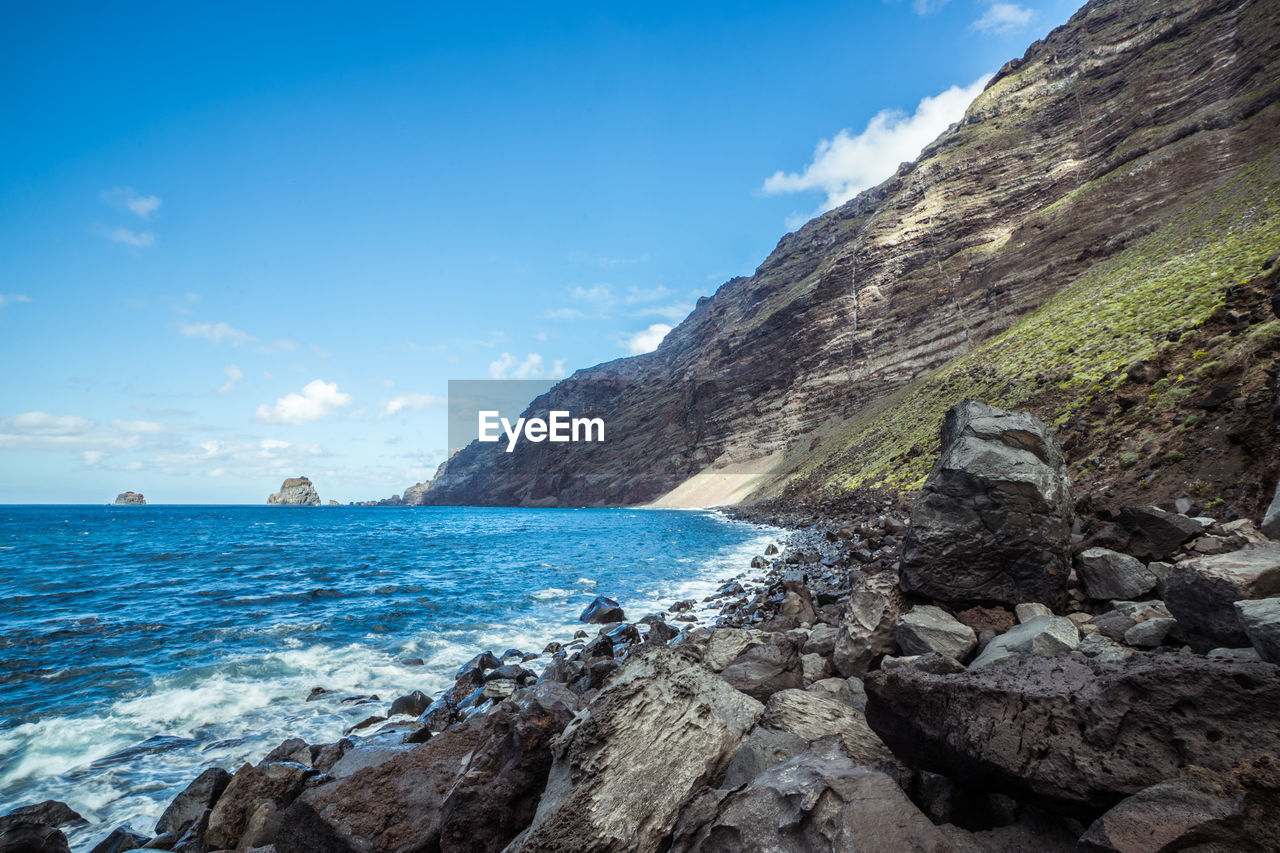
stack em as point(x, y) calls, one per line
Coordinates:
point(1095, 207)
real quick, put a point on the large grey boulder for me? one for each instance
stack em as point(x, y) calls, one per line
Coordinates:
point(765, 668)
point(1109, 575)
point(818, 800)
point(993, 522)
point(866, 624)
point(1201, 593)
point(201, 794)
point(662, 728)
point(273, 786)
point(1260, 620)
point(1043, 636)
point(1077, 733)
point(928, 629)
point(812, 716)
point(761, 749)
point(1155, 534)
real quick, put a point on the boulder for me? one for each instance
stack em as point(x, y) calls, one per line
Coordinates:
point(821, 641)
point(764, 669)
point(605, 791)
point(661, 633)
point(1155, 534)
point(994, 619)
point(761, 749)
point(1201, 593)
point(814, 668)
point(1203, 810)
point(31, 837)
point(812, 716)
point(1150, 633)
point(1260, 620)
point(993, 522)
point(250, 787)
point(818, 800)
point(601, 611)
point(120, 839)
point(47, 813)
point(1076, 733)
point(1103, 648)
point(201, 794)
point(866, 625)
point(473, 787)
point(1270, 525)
point(928, 629)
point(1029, 610)
point(847, 690)
point(412, 704)
point(1108, 574)
point(1043, 636)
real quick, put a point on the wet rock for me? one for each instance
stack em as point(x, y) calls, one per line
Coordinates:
point(1260, 620)
point(624, 635)
point(866, 625)
point(479, 663)
point(764, 669)
point(509, 672)
point(1155, 534)
point(661, 633)
point(1108, 574)
point(770, 549)
point(366, 723)
point(120, 839)
point(552, 648)
point(249, 788)
point(201, 794)
point(318, 693)
point(993, 522)
point(330, 754)
point(1043, 636)
point(602, 610)
point(472, 787)
point(818, 800)
point(1201, 592)
point(604, 792)
point(27, 837)
point(1076, 733)
point(1206, 811)
point(47, 813)
point(928, 629)
point(293, 749)
point(759, 562)
point(412, 704)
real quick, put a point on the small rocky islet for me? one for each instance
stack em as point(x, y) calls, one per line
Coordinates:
point(130, 499)
point(993, 667)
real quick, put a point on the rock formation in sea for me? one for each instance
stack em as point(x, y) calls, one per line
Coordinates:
point(295, 491)
point(130, 499)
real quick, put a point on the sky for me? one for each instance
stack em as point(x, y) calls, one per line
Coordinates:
point(248, 241)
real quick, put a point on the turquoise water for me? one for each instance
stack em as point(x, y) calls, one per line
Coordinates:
point(140, 644)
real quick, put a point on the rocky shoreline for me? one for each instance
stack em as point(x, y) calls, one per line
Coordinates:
point(998, 666)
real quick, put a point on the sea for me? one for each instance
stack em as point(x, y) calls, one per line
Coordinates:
point(140, 645)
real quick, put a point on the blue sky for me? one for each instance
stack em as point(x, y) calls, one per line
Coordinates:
point(246, 241)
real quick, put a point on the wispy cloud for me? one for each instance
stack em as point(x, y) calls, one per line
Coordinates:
point(12, 299)
point(127, 237)
point(648, 340)
point(234, 374)
point(508, 366)
point(1001, 18)
point(563, 314)
point(606, 262)
point(127, 198)
point(927, 7)
point(216, 333)
point(848, 163)
point(317, 401)
point(411, 402)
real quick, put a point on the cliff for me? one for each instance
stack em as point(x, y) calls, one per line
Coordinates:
point(1089, 243)
point(295, 491)
point(130, 499)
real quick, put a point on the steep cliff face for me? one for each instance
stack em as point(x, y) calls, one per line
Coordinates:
point(1111, 197)
point(130, 499)
point(295, 491)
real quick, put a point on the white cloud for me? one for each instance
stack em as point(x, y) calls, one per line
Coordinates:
point(563, 314)
point(131, 200)
point(136, 239)
point(44, 424)
point(286, 344)
point(318, 400)
point(216, 332)
point(927, 7)
point(411, 401)
point(92, 457)
point(1000, 18)
point(508, 367)
point(848, 163)
point(138, 426)
point(234, 374)
point(6, 301)
point(648, 340)
point(596, 293)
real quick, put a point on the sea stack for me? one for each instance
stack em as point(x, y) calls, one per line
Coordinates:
point(295, 491)
point(130, 499)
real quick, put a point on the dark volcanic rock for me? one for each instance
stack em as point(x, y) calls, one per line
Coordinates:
point(48, 813)
point(866, 624)
point(818, 800)
point(764, 669)
point(201, 794)
point(1155, 534)
point(120, 839)
point(274, 785)
point(1076, 732)
point(661, 729)
point(27, 837)
point(602, 610)
point(1201, 593)
point(470, 788)
point(1109, 575)
point(993, 522)
point(412, 704)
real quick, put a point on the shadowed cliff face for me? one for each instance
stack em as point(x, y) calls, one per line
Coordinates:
point(1102, 193)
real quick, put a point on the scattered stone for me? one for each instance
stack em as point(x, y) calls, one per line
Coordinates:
point(928, 629)
point(1149, 634)
point(683, 606)
point(759, 563)
point(1260, 621)
point(1201, 592)
point(1060, 730)
point(770, 549)
point(479, 663)
point(602, 610)
point(318, 693)
point(1108, 574)
point(1029, 610)
point(413, 662)
point(27, 837)
point(1155, 534)
point(1043, 636)
point(366, 723)
point(412, 704)
point(1103, 649)
point(993, 522)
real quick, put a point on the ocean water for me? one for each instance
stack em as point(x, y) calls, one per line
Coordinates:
point(139, 645)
